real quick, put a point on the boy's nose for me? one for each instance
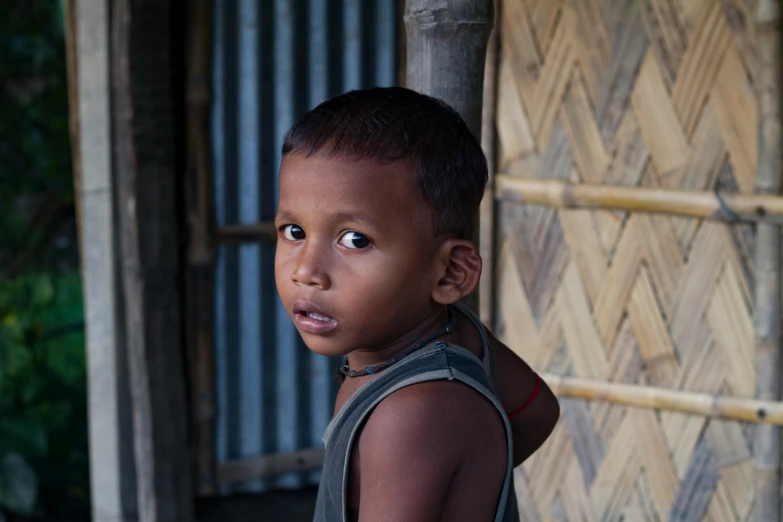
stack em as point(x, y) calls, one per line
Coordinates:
point(308, 271)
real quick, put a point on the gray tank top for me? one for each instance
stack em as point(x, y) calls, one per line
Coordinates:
point(435, 361)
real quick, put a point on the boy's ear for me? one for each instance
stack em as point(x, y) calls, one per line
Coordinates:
point(459, 266)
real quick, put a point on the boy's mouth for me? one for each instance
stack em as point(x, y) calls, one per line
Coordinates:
point(313, 315)
point(309, 318)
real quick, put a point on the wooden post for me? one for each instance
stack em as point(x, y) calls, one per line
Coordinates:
point(201, 254)
point(72, 61)
point(148, 185)
point(767, 447)
point(446, 52)
point(112, 475)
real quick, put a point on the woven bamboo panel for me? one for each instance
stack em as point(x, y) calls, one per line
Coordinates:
point(637, 93)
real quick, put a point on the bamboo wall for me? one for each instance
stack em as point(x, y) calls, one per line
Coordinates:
point(647, 93)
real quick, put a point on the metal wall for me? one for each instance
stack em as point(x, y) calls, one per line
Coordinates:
point(273, 61)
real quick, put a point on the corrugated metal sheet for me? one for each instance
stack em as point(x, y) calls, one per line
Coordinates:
point(273, 61)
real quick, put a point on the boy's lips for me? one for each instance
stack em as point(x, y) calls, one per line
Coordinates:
point(312, 319)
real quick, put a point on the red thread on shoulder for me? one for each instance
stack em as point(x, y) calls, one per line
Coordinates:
point(529, 400)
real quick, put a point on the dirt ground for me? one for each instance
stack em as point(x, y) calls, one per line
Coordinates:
point(273, 506)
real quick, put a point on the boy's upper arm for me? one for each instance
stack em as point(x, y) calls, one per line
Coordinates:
point(516, 381)
point(408, 454)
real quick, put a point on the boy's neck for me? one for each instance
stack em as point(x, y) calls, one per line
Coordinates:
point(370, 356)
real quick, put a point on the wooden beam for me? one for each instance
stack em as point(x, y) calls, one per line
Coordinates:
point(767, 309)
point(200, 276)
point(72, 69)
point(637, 396)
point(148, 181)
point(264, 232)
point(270, 465)
point(696, 204)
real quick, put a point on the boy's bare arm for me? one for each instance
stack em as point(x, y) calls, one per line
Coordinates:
point(409, 455)
point(517, 381)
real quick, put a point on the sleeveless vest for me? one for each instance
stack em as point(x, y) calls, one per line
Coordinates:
point(435, 361)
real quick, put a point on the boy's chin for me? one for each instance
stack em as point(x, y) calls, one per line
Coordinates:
point(323, 346)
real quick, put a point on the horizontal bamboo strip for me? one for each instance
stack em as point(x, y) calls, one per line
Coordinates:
point(697, 204)
point(263, 232)
point(634, 395)
point(270, 465)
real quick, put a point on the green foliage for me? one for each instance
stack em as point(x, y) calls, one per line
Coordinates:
point(18, 483)
point(43, 417)
point(43, 401)
point(35, 159)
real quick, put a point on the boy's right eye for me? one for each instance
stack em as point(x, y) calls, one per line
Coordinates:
point(293, 232)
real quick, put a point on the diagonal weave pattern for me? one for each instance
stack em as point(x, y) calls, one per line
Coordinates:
point(638, 93)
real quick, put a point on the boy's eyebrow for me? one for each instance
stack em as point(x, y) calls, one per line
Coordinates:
point(284, 215)
point(354, 216)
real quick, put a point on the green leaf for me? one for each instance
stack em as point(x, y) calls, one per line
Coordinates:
point(29, 389)
point(43, 291)
point(24, 436)
point(18, 484)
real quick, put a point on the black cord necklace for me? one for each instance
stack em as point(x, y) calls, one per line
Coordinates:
point(375, 368)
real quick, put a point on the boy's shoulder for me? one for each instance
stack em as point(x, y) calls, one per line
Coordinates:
point(419, 439)
point(419, 423)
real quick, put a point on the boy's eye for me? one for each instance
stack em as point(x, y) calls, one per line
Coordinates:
point(354, 240)
point(293, 232)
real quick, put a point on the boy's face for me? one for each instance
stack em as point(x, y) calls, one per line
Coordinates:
point(355, 264)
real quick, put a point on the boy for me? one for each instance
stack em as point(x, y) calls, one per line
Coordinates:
point(378, 192)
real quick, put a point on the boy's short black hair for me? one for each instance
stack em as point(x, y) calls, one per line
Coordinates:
point(397, 124)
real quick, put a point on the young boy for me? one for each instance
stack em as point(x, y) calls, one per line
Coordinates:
point(379, 190)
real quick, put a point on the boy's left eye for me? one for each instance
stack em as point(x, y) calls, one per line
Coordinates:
point(354, 240)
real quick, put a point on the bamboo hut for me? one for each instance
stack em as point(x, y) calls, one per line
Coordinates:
point(631, 242)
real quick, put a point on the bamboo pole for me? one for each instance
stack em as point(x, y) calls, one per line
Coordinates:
point(762, 208)
point(446, 51)
point(487, 209)
point(637, 396)
point(201, 255)
point(767, 447)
